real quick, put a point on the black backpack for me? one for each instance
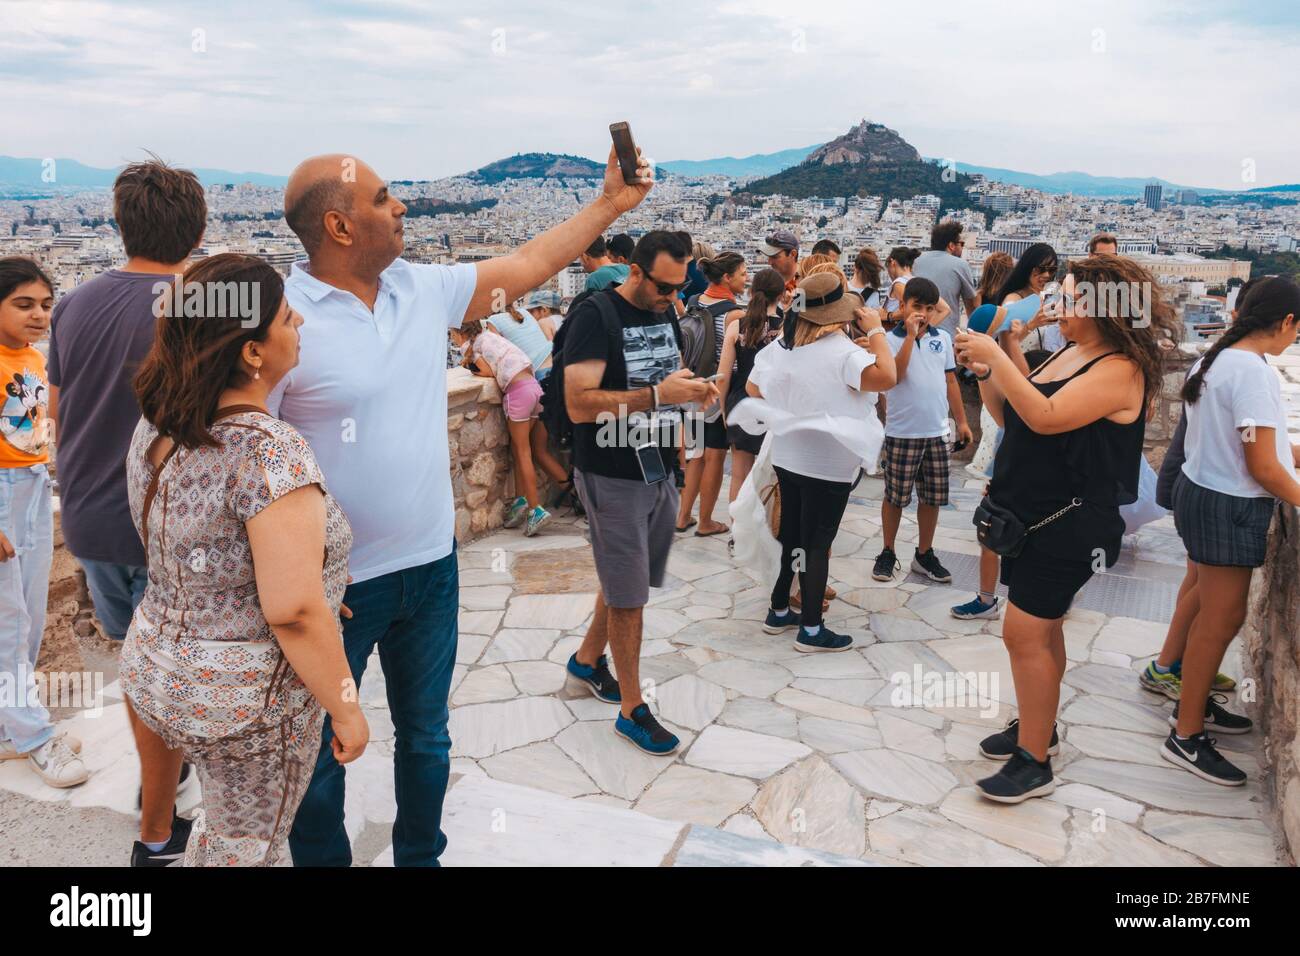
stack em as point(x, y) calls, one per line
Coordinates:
point(700, 335)
point(555, 413)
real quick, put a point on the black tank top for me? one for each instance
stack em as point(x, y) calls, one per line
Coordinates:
point(745, 362)
point(1037, 475)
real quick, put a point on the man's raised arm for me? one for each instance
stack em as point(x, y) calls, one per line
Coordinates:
point(502, 280)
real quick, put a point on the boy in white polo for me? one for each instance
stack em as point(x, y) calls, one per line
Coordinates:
point(917, 429)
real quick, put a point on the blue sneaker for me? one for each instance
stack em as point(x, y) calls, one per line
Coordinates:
point(598, 678)
point(776, 623)
point(975, 608)
point(646, 733)
point(538, 517)
point(824, 640)
point(515, 514)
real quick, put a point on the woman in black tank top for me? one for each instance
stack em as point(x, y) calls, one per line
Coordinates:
point(1071, 450)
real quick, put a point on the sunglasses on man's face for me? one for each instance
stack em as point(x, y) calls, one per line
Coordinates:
point(668, 288)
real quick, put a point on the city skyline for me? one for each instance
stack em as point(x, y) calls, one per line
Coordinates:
point(422, 93)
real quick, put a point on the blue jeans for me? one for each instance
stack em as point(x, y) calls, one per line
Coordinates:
point(412, 616)
point(116, 590)
point(26, 518)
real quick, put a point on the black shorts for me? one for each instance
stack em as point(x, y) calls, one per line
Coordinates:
point(715, 434)
point(1042, 584)
point(1218, 529)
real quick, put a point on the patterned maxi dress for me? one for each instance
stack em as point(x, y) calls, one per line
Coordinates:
point(200, 664)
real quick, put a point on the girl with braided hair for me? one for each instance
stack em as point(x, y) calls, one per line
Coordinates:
point(1239, 463)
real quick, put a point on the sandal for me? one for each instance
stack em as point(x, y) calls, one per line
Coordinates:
point(686, 527)
point(709, 534)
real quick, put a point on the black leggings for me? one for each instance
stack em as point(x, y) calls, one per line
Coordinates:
point(811, 509)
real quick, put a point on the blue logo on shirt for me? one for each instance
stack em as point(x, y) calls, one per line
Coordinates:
point(936, 344)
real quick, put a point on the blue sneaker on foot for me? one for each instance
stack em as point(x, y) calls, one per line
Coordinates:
point(646, 733)
point(824, 640)
point(515, 514)
point(598, 678)
point(975, 608)
point(776, 623)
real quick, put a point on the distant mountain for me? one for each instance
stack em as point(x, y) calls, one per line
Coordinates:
point(760, 164)
point(539, 166)
point(1079, 183)
point(1288, 188)
point(870, 159)
point(70, 173)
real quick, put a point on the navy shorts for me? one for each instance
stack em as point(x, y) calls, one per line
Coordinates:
point(1219, 529)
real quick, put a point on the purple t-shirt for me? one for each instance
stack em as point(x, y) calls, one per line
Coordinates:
point(99, 334)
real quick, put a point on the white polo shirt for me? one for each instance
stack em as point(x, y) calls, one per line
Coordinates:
point(370, 396)
point(917, 407)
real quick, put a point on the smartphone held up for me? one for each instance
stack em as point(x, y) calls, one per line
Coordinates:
point(626, 151)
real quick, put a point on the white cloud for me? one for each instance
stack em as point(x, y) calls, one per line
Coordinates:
point(422, 91)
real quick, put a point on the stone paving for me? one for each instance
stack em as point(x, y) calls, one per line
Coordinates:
point(786, 758)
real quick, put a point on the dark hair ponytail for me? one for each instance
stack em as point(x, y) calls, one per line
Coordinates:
point(720, 266)
point(19, 270)
point(1265, 306)
point(904, 255)
point(766, 288)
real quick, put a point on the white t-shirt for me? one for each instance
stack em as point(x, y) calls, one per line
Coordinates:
point(917, 407)
point(821, 377)
point(370, 396)
point(1240, 390)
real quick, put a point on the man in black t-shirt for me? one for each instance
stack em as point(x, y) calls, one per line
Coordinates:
point(622, 391)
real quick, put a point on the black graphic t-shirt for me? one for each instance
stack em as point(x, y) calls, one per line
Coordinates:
point(651, 351)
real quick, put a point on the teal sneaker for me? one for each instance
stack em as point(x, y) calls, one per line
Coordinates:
point(516, 513)
point(1170, 684)
point(538, 517)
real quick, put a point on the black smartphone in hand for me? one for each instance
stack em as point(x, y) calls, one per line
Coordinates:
point(625, 150)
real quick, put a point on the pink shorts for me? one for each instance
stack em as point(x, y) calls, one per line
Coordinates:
point(522, 399)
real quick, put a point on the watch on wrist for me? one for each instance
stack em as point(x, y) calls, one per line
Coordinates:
point(986, 376)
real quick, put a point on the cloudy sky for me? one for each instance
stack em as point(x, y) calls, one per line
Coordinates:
point(1194, 92)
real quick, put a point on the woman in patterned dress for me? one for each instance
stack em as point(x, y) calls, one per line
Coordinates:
point(235, 652)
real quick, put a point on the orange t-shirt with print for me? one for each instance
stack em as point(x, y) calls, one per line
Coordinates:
point(24, 408)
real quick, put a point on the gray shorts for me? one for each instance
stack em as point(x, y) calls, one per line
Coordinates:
point(632, 526)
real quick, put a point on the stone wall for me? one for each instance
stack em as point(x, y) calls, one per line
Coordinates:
point(1271, 639)
point(482, 472)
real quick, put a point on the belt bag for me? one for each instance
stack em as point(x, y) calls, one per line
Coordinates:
point(999, 530)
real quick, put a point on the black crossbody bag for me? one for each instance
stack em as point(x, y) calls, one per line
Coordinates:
point(999, 530)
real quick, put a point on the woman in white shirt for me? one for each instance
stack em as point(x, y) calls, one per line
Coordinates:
point(818, 389)
point(1239, 462)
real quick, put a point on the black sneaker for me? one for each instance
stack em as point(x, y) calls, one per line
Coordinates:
point(927, 563)
point(598, 678)
point(824, 640)
point(1216, 718)
point(187, 772)
point(886, 565)
point(1021, 778)
point(1005, 742)
point(1197, 755)
point(170, 855)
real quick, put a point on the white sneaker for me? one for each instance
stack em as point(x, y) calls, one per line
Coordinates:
point(9, 749)
point(57, 764)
